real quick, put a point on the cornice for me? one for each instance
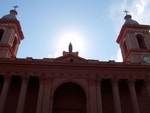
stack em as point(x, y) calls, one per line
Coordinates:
point(40, 63)
point(130, 26)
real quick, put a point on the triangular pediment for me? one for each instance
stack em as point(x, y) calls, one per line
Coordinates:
point(70, 57)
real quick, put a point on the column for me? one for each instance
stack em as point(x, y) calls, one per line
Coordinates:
point(99, 97)
point(46, 96)
point(40, 96)
point(4, 93)
point(133, 95)
point(116, 96)
point(22, 95)
point(93, 98)
point(147, 85)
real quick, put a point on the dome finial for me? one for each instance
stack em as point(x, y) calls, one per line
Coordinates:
point(15, 7)
point(12, 14)
point(128, 18)
point(126, 12)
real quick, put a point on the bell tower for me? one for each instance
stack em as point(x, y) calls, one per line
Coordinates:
point(10, 35)
point(134, 41)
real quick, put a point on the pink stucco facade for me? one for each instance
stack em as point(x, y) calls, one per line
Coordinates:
point(30, 85)
point(72, 84)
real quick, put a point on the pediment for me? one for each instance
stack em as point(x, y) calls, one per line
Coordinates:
point(70, 57)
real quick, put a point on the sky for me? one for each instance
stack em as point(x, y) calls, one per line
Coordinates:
point(92, 26)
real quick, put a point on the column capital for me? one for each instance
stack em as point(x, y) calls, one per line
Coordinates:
point(114, 81)
point(44, 77)
point(147, 81)
point(7, 78)
point(92, 82)
point(131, 82)
point(48, 80)
point(98, 80)
point(7, 75)
point(41, 79)
point(25, 79)
point(25, 75)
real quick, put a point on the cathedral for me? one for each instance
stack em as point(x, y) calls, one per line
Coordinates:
point(70, 83)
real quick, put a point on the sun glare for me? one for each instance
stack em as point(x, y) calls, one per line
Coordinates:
point(76, 40)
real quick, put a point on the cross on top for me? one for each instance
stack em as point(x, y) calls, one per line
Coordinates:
point(126, 12)
point(15, 7)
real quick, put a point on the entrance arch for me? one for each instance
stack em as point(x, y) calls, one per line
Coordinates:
point(69, 98)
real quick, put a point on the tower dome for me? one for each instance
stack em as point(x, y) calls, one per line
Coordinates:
point(12, 15)
point(129, 20)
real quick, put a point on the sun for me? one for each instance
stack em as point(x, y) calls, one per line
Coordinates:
point(74, 38)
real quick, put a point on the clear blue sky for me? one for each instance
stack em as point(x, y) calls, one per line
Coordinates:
point(91, 25)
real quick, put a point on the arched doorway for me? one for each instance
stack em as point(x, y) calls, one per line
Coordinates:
point(69, 98)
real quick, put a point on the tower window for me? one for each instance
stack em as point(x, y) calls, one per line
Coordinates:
point(1, 34)
point(14, 44)
point(141, 42)
point(125, 48)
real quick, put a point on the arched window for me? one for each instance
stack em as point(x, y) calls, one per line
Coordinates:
point(125, 48)
point(1, 34)
point(141, 42)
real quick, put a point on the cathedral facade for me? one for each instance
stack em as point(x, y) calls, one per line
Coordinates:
point(72, 84)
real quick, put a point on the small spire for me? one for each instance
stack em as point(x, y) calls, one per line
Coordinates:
point(13, 11)
point(15, 7)
point(12, 14)
point(127, 15)
point(126, 12)
point(70, 47)
point(128, 19)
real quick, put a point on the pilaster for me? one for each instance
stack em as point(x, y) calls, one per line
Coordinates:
point(4, 92)
point(99, 97)
point(22, 95)
point(131, 84)
point(116, 96)
point(93, 99)
point(47, 95)
point(40, 95)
